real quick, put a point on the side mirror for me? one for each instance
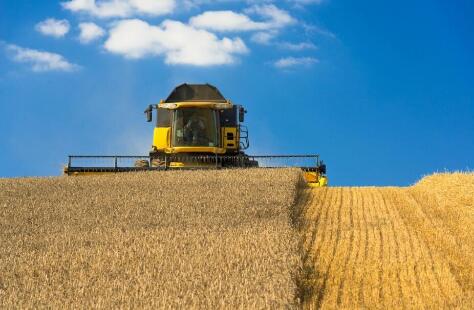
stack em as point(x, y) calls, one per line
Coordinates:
point(242, 114)
point(149, 113)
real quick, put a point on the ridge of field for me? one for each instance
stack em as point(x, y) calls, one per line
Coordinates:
point(184, 239)
point(390, 247)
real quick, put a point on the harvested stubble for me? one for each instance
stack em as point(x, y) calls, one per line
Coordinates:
point(172, 239)
point(390, 247)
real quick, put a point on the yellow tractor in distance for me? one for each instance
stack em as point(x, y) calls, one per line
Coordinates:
point(198, 128)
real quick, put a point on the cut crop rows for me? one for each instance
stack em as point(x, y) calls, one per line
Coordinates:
point(387, 248)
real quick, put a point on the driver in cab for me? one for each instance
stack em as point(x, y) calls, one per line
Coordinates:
point(194, 130)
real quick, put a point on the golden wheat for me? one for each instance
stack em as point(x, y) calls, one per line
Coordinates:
point(390, 247)
point(159, 240)
point(225, 239)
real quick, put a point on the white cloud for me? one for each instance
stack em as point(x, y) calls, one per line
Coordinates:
point(276, 18)
point(154, 7)
point(263, 37)
point(178, 42)
point(298, 46)
point(285, 63)
point(226, 21)
point(114, 8)
point(273, 18)
point(90, 32)
point(53, 27)
point(41, 61)
point(120, 8)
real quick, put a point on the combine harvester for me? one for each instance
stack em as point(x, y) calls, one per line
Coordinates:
point(197, 128)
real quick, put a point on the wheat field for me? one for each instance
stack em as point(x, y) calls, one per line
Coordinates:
point(190, 239)
point(235, 239)
point(390, 247)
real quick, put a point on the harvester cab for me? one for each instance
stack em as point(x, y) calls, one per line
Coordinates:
point(196, 127)
point(197, 120)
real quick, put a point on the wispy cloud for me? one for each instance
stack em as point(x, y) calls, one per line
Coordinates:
point(40, 61)
point(275, 17)
point(302, 4)
point(120, 8)
point(226, 21)
point(312, 29)
point(197, 3)
point(90, 32)
point(264, 37)
point(305, 2)
point(289, 62)
point(298, 46)
point(178, 42)
point(53, 27)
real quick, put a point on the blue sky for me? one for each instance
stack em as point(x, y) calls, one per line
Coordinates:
point(382, 90)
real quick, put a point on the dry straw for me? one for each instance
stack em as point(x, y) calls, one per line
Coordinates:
point(391, 247)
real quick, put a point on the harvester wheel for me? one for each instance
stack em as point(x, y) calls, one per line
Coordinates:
point(142, 163)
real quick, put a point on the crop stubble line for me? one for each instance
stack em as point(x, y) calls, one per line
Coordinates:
point(380, 227)
point(328, 266)
point(322, 224)
point(312, 223)
point(358, 245)
point(340, 291)
point(363, 251)
point(428, 263)
point(334, 245)
point(378, 252)
point(422, 260)
point(366, 274)
point(316, 231)
point(335, 248)
point(339, 261)
point(395, 283)
point(394, 243)
point(435, 263)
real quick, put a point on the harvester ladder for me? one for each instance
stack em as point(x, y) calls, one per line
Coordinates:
point(244, 137)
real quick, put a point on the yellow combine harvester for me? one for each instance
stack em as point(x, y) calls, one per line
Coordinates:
point(197, 128)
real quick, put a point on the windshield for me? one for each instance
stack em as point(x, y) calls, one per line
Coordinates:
point(195, 127)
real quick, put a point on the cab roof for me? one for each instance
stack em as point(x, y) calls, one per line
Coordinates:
point(195, 92)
